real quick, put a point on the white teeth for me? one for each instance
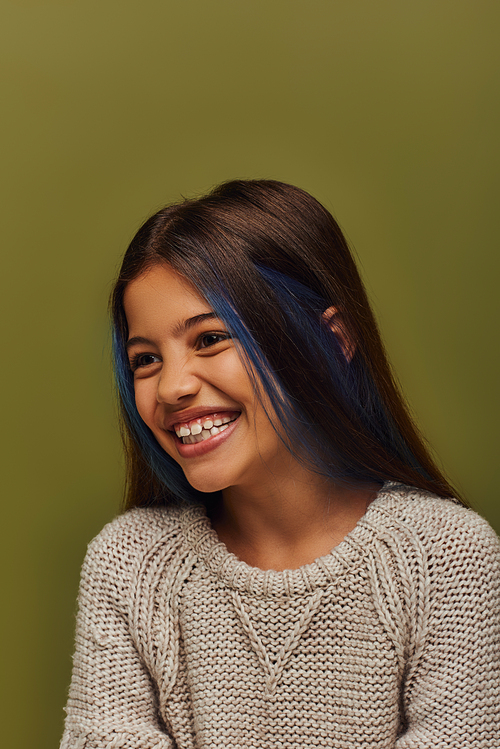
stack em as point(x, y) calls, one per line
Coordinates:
point(199, 432)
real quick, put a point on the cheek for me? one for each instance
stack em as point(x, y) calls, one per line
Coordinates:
point(145, 400)
point(227, 374)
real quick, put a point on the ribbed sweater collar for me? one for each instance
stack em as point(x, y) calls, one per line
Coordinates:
point(203, 541)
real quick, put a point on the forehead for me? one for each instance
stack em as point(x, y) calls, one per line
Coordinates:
point(160, 295)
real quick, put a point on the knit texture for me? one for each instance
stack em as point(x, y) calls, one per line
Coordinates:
point(390, 641)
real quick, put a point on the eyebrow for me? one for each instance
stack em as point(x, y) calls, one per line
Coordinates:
point(180, 328)
point(192, 321)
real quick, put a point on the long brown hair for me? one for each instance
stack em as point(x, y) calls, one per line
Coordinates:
point(270, 259)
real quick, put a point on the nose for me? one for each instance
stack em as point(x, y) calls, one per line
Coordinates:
point(177, 382)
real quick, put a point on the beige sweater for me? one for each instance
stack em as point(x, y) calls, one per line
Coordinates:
point(391, 640)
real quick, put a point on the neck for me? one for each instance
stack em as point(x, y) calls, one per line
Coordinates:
point(288, 521)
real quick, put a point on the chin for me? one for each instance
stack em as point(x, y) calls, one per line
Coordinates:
point(207, 484)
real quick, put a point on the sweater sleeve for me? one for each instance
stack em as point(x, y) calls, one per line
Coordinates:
point(452, 697)
point(112, 701)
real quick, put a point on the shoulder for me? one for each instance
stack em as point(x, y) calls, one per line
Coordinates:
point(448, 532)
point(114, 554)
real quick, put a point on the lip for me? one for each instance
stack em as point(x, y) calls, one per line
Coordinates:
point(212, 443)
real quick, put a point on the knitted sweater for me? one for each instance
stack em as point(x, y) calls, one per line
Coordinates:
point(391, 640)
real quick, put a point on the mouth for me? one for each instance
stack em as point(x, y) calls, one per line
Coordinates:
point(203, 428)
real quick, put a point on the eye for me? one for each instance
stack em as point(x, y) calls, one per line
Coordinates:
point(211, 339)
point(143, 360)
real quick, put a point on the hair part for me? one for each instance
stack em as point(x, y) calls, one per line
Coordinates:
point(270, 259)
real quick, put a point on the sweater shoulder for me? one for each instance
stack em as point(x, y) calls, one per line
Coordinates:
point(444, 527)
point(137, 526)
point(114, 553)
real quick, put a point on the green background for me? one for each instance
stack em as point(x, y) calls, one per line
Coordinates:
point(385, 110)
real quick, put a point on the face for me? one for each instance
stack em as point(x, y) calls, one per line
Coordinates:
point(191, 388)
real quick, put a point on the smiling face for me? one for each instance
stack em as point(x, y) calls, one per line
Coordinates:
point(192, 389)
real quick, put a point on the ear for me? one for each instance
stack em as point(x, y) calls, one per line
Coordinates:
point(333, 319)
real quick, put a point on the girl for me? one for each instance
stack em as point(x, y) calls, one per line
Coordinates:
point(292, 570)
